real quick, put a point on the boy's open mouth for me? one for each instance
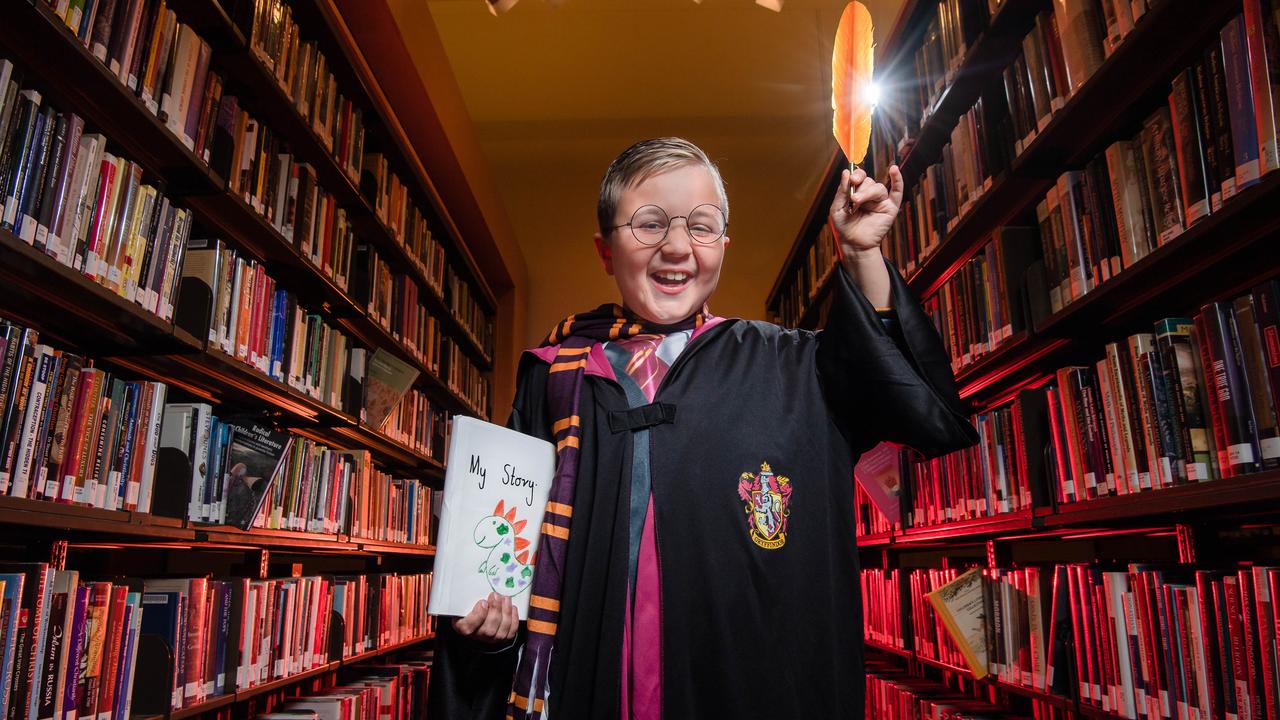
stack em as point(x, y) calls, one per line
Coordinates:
point(671, 281)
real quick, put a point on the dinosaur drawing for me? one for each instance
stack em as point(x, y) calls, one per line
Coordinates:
point(508, 567)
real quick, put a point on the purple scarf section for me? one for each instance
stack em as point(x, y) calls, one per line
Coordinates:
point(573, 338)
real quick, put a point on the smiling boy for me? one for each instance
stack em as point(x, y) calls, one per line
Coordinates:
point(698, 557)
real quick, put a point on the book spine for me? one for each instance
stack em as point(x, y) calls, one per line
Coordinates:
point(1240, 101)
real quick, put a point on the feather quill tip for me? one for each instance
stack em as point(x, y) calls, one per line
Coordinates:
point(852, 66)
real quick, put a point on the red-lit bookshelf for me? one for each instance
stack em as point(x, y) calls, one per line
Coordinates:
point(1044, 364)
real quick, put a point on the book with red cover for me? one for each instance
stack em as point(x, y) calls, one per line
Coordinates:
point(1264, 616)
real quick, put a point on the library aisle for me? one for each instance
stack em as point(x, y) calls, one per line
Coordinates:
point(257, 255)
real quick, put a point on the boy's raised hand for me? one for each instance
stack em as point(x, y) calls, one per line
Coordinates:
point(492, 620)
point(863, 210)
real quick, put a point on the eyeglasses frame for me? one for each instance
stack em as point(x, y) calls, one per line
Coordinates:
point(671, 218)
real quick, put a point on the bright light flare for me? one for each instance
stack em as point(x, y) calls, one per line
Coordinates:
point(871, 95)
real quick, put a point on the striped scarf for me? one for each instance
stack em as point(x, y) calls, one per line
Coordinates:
point(575, 336)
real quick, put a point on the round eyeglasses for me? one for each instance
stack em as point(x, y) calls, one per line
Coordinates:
point(649, 224)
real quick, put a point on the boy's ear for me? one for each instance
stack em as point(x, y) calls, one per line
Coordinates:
point(605, 252)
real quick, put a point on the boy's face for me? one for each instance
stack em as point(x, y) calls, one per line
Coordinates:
point(668, 282)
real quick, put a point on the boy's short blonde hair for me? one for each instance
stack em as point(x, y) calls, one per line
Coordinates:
point(641, 162)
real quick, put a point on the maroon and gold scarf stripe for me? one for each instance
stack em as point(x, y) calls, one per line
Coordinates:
point(575, 337)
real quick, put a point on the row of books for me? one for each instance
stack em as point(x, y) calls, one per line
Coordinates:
point(1138, 642)
point(986, 302)
point(393, 691)
point(393, 509)
point(247, 316)
point(465, 377)
point(65, 195)
point(306, 75)
point(1035, 81)
point(816, 265)
point(1156, 643)
point(980, 149)
point(881, 592)
point(462, 302)
point(868, 518)
point(1000, 474)
point(235, 634)
point(391, 200)
point(393, 301)
point(72, 432)
point(950, 32)
point(1009, 640)
point(898, 696)
point(392, 204)
point(70, 646)
point(285, 192)
point(244, 474)
point(163, 61)
point(419, 424)
point(1194, 400)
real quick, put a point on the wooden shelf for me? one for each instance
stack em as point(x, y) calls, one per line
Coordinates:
point(975, 529)
point(73, 78)
point(95, 320)
point(84, 315)
point(322, 17)
point(271, 686)
point(262, 95)
point(876, 539)
point(1091, 119)
point(889, 649)
point(97, 526)
point(1258, 491)
point(986, 60)
point(1219, 257)
point(1057, 701)
point(991, 52)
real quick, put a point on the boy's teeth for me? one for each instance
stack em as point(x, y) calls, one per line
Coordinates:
point(672, 277)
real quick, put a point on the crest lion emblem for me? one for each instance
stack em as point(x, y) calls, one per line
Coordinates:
point(766, 499)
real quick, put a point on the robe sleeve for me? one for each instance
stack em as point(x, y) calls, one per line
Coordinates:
point(886, 376)
point(471, 679)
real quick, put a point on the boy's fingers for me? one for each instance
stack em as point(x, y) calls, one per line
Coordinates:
point(492, 620)
point(871, 193)
point(467, 625)
point(895, 186)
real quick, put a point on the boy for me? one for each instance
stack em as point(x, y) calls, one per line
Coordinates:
point(698, 556)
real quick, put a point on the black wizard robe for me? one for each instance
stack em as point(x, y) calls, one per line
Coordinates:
point(750, 629)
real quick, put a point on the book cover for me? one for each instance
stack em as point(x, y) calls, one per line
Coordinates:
point(490, 528)
point(1258, 380)
point(1229, 411)
point(14, 626)
point(1189, 146)
point(1263, 44)
point(1240, 103)
point(252, 460)
point(389, 378)
point(1173, 337)
point(70, 702)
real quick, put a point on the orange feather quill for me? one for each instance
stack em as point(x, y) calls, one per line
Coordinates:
point(852, 61)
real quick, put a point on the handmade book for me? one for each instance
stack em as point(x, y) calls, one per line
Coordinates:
point(495, 492)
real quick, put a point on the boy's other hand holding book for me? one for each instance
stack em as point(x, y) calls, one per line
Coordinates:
point(492, 620)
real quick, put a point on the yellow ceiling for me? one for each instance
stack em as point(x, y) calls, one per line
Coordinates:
point(555, 90)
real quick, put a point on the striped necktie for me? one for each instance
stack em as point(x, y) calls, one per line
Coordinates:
point(645, 366)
